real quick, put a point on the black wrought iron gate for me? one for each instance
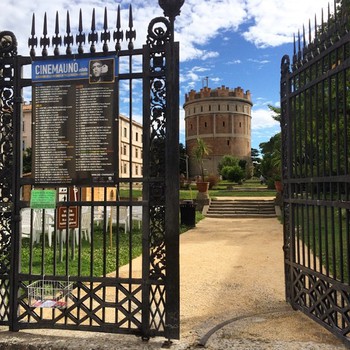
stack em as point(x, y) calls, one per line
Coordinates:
point(315, 106)
point(72, 266)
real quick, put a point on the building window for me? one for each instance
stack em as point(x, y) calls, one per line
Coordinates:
point(223, 124)
point(209, 108)
point(137, 136)
point(191, 126)
point(136, 169)
point(124, 150)
point(240, 124)
point(205, 124)
point(124, 168)
point(228, 107)
point(236, 108)
point(201, 108)
point(125, 132)
point(136, 152)
point(218, 107)
point(228, 142)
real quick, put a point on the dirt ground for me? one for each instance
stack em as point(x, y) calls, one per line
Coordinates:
point(232, 297)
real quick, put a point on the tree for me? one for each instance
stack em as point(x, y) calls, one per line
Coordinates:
point(200, 151)
point(183, 159)
point(232, 169)
point(256, 161)
point(27, 160)
point(227, 160)
point(271, 163)
point(232, 173)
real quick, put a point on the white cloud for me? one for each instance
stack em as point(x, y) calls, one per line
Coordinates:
point(270, 22)
point(275, 22)
point(262, 119)
point(235, 62)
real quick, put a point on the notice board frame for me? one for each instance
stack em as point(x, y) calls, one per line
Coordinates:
point(75, 121)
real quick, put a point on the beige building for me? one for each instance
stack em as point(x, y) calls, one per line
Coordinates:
point(222, 118)
point(130, 145)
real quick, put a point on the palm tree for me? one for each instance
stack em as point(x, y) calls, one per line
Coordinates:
point(200, 151)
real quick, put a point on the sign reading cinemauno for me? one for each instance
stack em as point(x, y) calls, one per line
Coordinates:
point(75, 109)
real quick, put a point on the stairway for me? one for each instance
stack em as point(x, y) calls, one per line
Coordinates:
point(241, 208)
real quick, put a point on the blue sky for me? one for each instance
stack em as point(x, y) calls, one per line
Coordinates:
point(232, 42)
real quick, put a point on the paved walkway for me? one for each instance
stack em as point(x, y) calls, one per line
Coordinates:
point(232, 297)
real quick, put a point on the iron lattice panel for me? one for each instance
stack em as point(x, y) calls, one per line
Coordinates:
point(323, 299)
point(315, 168)
point(109, 306)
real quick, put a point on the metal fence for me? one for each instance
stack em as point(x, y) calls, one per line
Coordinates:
point(315, 106)
point(73, 266)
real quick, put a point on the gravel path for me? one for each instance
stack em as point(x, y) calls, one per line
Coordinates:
point(232, 297)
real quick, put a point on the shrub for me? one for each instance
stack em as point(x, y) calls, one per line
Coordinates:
point(213, 181)
point(233, 173)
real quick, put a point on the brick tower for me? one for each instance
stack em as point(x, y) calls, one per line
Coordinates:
point(222, 118)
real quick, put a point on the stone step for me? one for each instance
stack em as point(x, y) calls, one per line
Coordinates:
point(241, 208)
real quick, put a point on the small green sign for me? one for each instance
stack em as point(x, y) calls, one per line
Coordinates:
point(43, 199)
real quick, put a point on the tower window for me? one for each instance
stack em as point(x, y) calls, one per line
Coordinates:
point(240, 124)
point(228, 142)
point(223, 124)
point(209, 108)
point(201, 108)
point(205, 124)
point(218, 107)
point(228, 107)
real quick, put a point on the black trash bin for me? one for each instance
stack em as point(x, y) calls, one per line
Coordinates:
point(188, 213)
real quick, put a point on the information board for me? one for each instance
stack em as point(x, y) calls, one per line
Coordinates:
point(75, 120)
point(43, 199)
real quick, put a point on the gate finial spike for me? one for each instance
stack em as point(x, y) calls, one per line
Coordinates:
point(118, 34)
point(68, 39)
point(295, 51)
point(105, 36)
point(105, 25)
point(57, 30)
point(294, 46)
point(45, 25)
point(316, 36)
point(57, 40)
point(44, 41)
point(32, 41)
point(322, 19)
point(299, 46)
point(92, 37)
point(130, 34)
point(309, 31)
point(80, 38)
point(130, 17)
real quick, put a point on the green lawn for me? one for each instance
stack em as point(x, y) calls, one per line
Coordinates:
point(327, 240)
point(250, 188)
point(89, 260)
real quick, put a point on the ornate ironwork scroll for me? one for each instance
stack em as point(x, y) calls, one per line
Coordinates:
point(8, 50)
